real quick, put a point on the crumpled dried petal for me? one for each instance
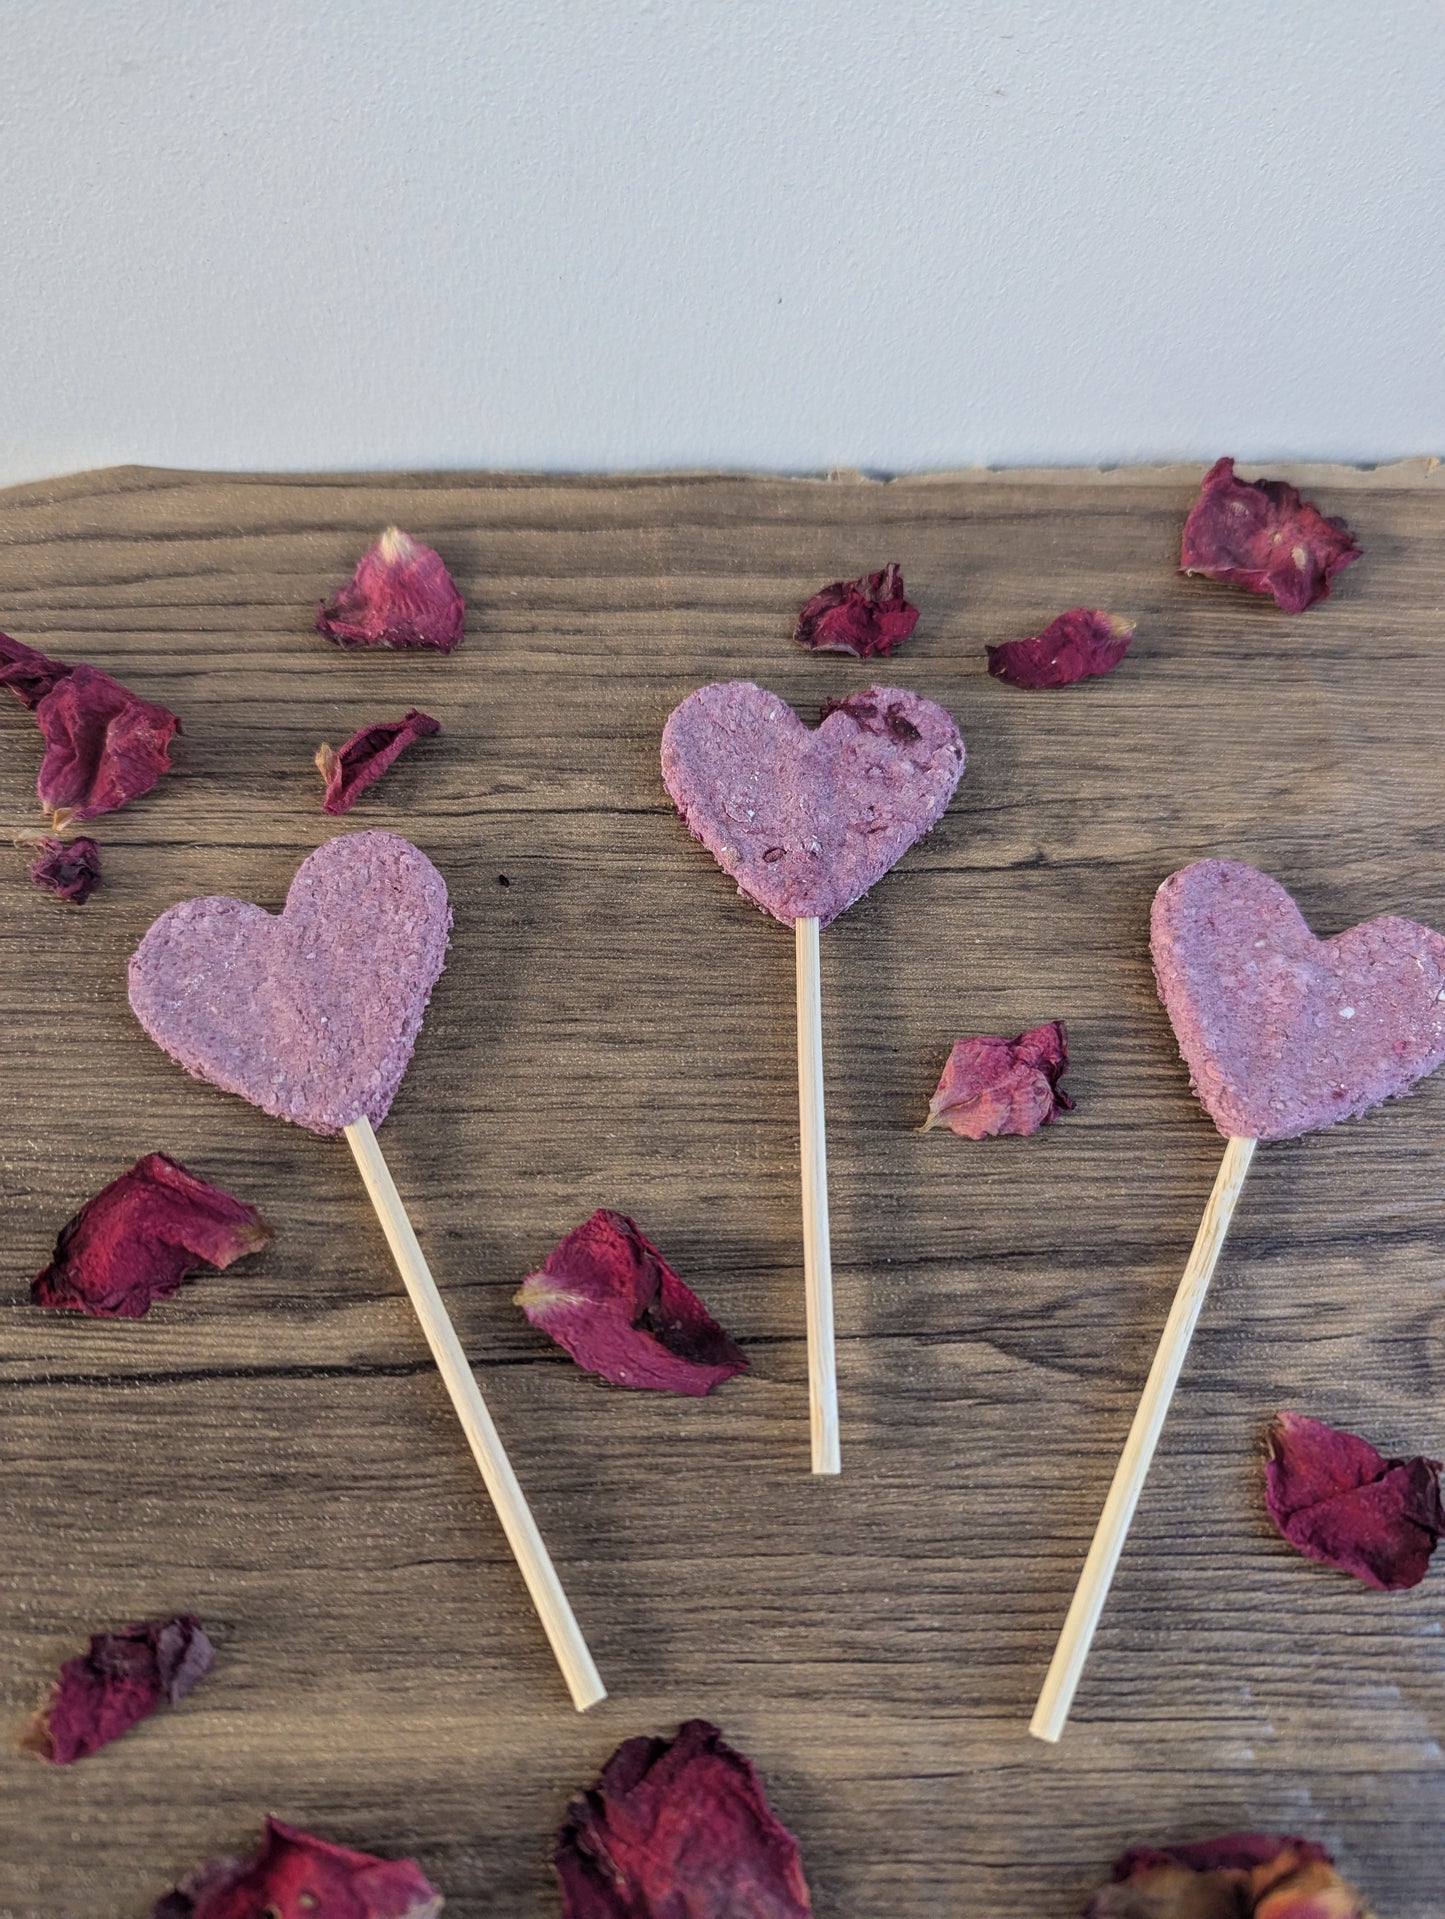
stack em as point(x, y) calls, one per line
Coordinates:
point(1244, 1875)
point(869, 616)
point(294, 1875)
point(140, 1236)
point(122, 1679)
point(609, 1298)
point(678, 1829)
point(71, 872)
point(400, 595)
point(1260, 534)
point(350, 769)
point(103, 745)
point(992, 1086)
point(1082, 644)
point(1335, 1499)
point(28, 674)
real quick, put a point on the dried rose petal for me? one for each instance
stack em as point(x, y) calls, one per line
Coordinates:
point(1082, 644)
point(103, 745)
point(139, 1237)
point(122, 1679)
point(609, 1298)
point(992, 1086)
point(350, 769)
point(1260, 534)
point(869, 616)
point(294, 1875)
point(1335, 1499)
point(28, 674)
point(400, 595)
point(71, 872)
point(1245, 1875)
point(678, 1829)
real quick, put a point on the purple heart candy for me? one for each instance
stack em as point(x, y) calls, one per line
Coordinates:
point(310, 1014)
point(806, 821)
point(1282, 1032)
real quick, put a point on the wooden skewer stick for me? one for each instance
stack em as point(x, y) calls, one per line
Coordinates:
point(1072, 1650)
point(510, 1501)
point(817, 1252)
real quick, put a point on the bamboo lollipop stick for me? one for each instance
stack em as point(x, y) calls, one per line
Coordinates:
point(1067, 1666)
point(817, 1252)
point(510, 1501)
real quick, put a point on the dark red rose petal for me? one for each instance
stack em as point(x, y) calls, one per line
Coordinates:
point(609, 1298)
point(400, 595)
point(992, 1086)
point(1335, 1499)
point(1081, 644)
point(294, 1875)
point(122, 1679)
point(678, 1829)
point(1244, 1875)
point(869, 617)
point(28, 674)
point(139, 1237)
point(349, 770)
point(103, 745)
point(1260, 534)
point(71, 872)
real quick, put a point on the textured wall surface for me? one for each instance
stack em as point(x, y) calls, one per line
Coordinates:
point(621, 233)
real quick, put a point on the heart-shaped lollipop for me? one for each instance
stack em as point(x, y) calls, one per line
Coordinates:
point(1282, 1032)
point(311, 1014)
point(806, 820)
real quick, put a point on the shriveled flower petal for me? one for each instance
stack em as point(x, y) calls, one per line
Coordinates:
point(1336, 1499)
point(678, 1829)
point(992, 1086)
point(1261, 535)
point(400, 595)
point(140, 1236)
point(294, 1875)
point(103, 745)
point(350, 769)
point(1244, 1875)
point(71, 872)
point(1082, 644)
point(120, 1680)
point(870, 616)
point(28, 674)
point(609, 1298)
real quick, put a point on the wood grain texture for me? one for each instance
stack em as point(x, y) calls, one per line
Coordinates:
point(273, 1449)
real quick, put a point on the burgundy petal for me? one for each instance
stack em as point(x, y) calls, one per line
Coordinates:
point(139, 1237)
point(609, 1298)
point(992, 1086)
point(1260, 534)
point(400, 595)
point(350, 769)
point(1244, 1875)
point(1335, 1499)
point(870, 616)
point(120, 1680)
point(71, 872)
point(28, 674)
point(103, 745)
point(1081, 644)
point(294, 1875)
point(678, 1829)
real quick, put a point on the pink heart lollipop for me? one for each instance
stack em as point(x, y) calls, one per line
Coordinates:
point(805, 822)
point(312, 1014)
point(1283, 1033)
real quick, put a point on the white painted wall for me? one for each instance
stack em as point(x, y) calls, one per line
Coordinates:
point(760, 233)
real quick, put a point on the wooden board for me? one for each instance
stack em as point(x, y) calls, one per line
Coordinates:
point(615, 1027)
